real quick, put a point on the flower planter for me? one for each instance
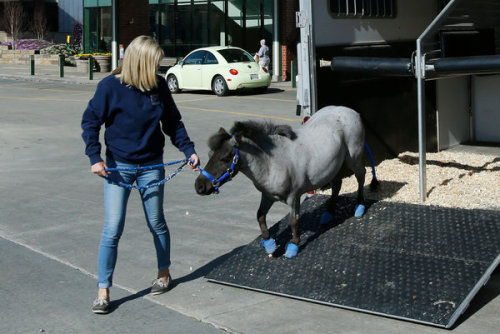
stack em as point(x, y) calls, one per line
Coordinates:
point(102, 63)
point(82, 65)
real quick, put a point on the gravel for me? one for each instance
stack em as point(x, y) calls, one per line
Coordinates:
point(461, 178)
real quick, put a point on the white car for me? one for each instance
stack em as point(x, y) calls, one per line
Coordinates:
point(217, 68)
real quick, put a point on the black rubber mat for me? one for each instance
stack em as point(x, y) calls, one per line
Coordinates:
point(411, 262)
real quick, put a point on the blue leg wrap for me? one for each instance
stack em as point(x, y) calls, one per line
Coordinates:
point(269, 245)
point(291, 250)
point(359, 210)
point(326, 218)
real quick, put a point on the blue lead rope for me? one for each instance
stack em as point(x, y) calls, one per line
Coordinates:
point(372, 161)
point(152, 185)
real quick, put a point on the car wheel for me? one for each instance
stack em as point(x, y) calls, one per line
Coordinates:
point(173, 84)
point(219, 86)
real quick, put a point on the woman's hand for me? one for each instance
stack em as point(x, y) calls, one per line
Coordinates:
point(99, 168)
point(194, 162)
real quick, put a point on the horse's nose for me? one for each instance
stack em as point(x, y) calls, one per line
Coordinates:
point(200, 187)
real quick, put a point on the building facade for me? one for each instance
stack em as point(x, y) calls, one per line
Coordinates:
point(180, 26)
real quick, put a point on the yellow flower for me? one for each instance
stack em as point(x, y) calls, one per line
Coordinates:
point(92, 54)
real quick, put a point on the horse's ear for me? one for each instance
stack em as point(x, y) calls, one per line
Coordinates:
point(216, 140)
point(223, 131)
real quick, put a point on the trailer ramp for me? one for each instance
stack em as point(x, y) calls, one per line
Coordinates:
point(411, 262)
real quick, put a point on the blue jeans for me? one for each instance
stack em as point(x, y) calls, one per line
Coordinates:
point(115, 203)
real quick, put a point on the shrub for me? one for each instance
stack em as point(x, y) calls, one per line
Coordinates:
point(28, 44)
point(58, 49)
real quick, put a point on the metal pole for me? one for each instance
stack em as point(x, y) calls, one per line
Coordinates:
point(312, 71)
point(276, 43)
point(61, 66)
point(420, 72)
point(293, 73)
point(114, 43)
point(91, 68)
point(32, 64)
point(420, 75)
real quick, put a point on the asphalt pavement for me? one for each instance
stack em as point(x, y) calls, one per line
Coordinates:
point(52, 212)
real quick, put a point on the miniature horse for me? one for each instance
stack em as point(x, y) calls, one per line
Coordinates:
point(284, 164)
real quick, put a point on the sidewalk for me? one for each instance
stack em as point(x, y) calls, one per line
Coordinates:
point(49, 73)
point(72, 75)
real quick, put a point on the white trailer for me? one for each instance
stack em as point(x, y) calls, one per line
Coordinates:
point(423, 74)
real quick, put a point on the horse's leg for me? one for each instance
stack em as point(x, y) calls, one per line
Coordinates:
point(354, 160)
point(359, 172)
point(293, 247)
point(327, 216)
point(265, 205)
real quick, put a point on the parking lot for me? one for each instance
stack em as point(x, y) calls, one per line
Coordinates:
point(52, 215)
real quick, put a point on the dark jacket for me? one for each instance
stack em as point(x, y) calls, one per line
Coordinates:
point(134, 121)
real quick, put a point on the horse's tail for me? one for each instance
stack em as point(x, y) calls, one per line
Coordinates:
point(374, 185)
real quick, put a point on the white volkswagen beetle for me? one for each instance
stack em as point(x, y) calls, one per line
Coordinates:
point(217, 68)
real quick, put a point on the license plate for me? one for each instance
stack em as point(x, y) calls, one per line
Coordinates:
point(254, 76)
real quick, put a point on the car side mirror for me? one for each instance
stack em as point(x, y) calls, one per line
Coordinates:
point(180, 62)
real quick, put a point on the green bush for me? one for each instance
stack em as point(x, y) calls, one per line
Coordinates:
point(59, 49)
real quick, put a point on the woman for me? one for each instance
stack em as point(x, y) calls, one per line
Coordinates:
point(135, 105)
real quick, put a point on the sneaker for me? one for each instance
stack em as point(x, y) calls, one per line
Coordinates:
point(100, 306)
point(160, 286)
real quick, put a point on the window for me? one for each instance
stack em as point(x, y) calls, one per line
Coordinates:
point(181, 26)
point(363, 8)
point(210, 59)
point(195, 58)
point(235, 55)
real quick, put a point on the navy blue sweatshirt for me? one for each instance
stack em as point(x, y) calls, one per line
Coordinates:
point(134, 121)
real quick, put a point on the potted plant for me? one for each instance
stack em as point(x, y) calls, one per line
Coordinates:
point(102, 61)
point(82, 61)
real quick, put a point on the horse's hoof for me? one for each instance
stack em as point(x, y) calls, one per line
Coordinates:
point(269, 245)
point(359, 210)
point(291, 250)
point(326, 218)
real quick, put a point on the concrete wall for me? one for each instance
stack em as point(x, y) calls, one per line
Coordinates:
point(24, 57)
point(486, 108)
point(453, 119)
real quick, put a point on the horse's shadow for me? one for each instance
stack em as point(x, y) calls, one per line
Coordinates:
point(310, 227)
point(312, 209)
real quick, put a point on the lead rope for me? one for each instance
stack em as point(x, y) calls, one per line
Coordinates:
point(152, 185)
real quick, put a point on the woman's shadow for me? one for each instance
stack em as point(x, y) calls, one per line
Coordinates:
point(198, 273)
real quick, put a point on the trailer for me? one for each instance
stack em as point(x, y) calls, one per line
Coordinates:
point(424, 75)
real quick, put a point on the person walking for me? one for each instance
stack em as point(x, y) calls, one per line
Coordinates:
point(138, 110)
point(263, 54)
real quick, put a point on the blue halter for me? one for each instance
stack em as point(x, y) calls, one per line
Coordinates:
point(226, 177)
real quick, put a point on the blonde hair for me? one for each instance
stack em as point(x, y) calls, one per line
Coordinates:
point(140, 63)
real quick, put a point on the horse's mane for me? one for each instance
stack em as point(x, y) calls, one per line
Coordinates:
point(254, 130)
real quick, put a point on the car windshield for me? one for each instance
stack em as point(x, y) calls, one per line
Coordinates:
point(236, 55)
